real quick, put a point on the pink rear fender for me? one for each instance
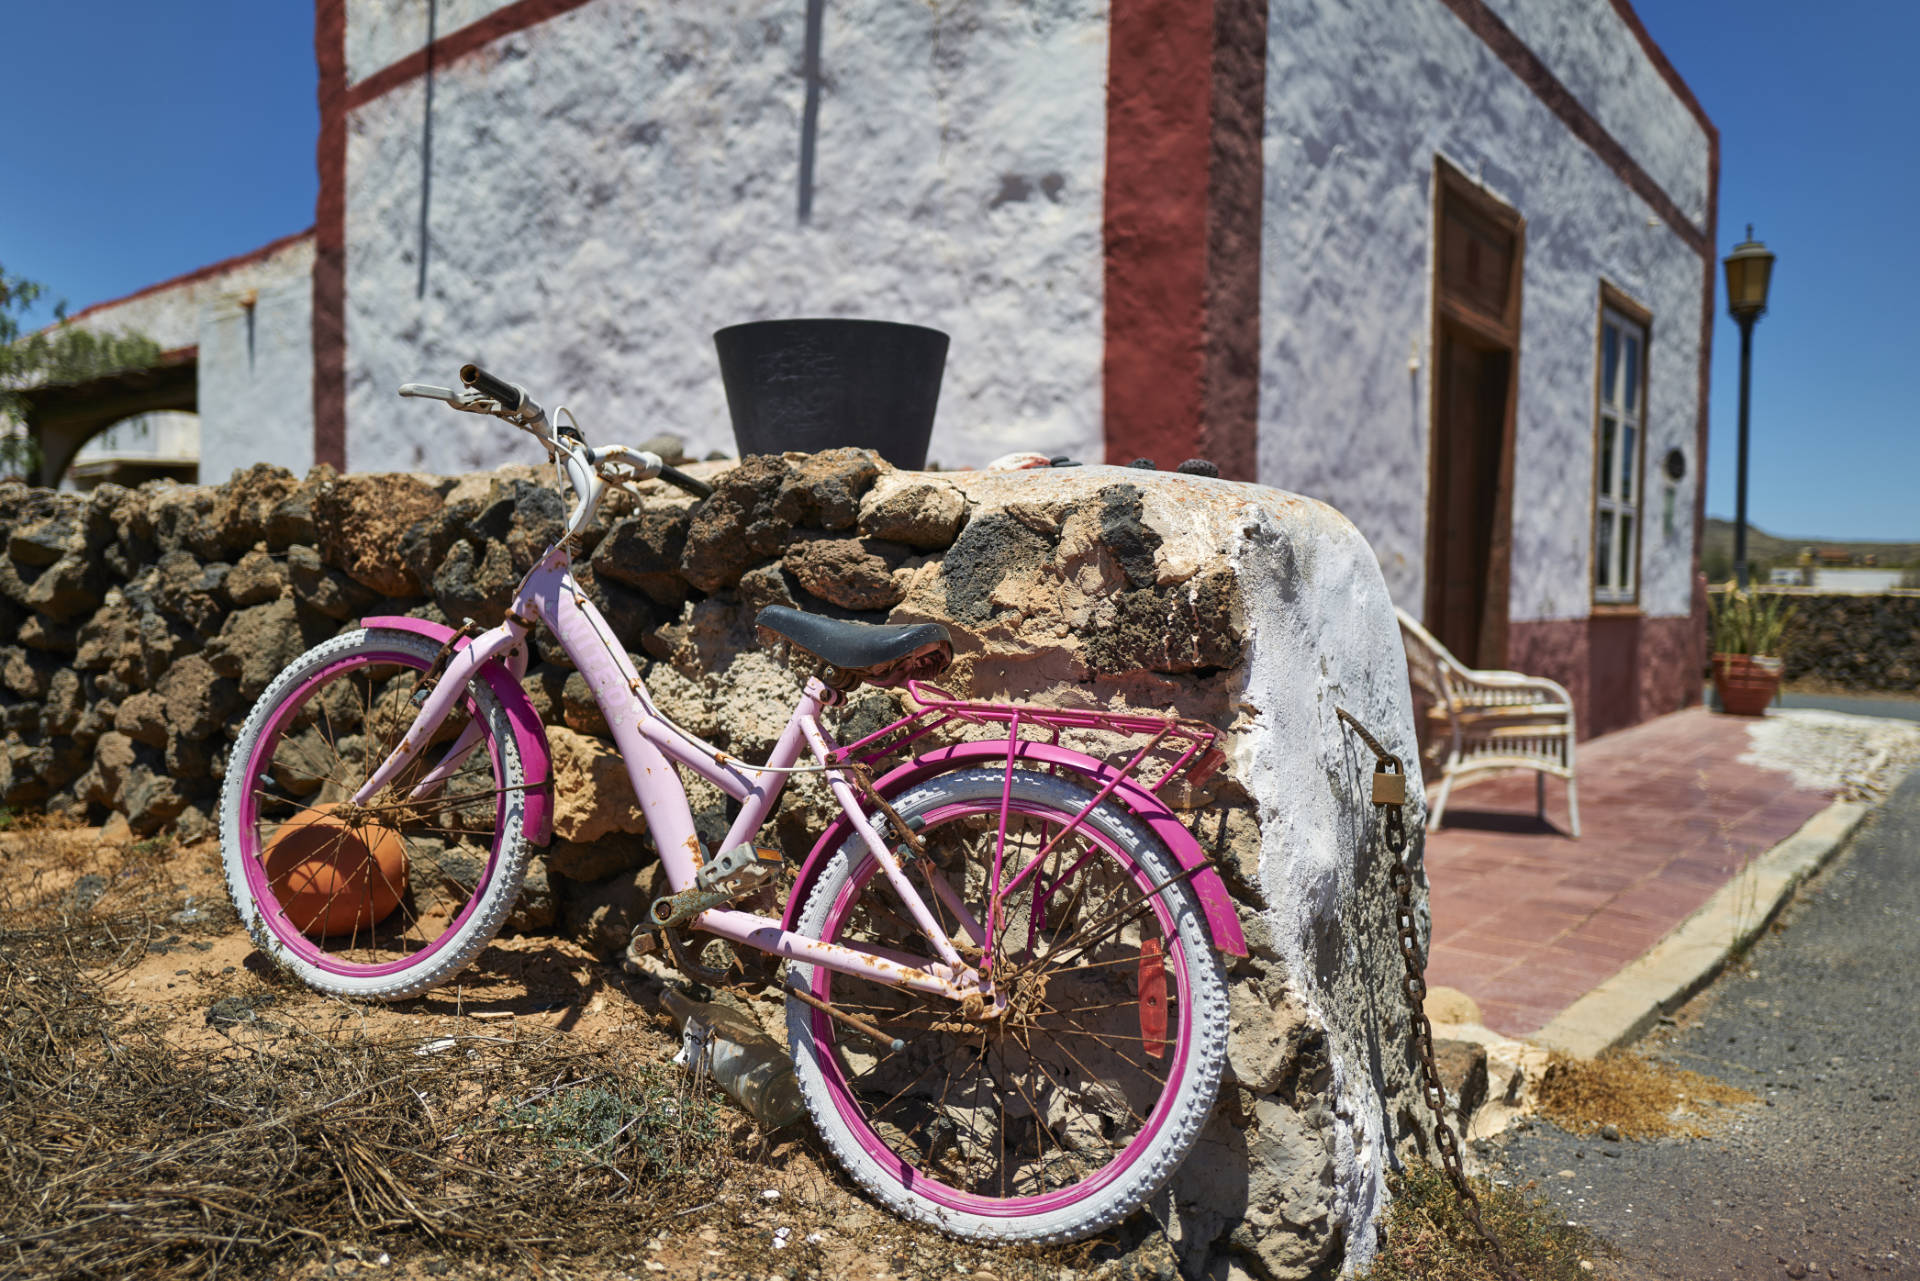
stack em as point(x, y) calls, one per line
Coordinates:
point(1222, 918)
point(529, 732)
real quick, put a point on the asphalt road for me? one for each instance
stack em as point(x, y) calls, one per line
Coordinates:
point(1894, 708)
point(1822, 1178)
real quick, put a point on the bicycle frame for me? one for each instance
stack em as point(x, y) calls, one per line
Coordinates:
point(651, 749)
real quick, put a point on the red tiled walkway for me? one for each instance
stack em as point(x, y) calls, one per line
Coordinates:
point(1525, 921)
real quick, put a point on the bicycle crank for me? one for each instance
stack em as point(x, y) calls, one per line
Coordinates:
point(732, 874)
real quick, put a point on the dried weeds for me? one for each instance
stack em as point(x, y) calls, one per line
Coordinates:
point(1642, 1097)
point(256, 1128)
point(1429, 1239)
point(121, 1155)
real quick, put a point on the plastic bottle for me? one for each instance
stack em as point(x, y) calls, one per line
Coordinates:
point(749, 1065)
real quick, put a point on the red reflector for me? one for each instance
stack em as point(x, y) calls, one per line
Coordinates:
point(1153, 998)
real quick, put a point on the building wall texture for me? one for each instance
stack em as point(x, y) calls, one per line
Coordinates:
point(256, 378)
point(1360, 101)
point(600, 191)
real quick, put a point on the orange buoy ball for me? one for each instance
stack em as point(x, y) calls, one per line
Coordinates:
point(330, 878)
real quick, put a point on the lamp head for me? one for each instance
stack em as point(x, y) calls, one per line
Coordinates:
point(1749, 272)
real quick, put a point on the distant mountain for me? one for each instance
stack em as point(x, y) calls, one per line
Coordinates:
point(1768, 551)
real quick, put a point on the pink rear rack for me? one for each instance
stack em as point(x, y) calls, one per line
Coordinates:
point(1180, 745)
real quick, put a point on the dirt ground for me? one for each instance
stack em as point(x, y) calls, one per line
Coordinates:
point(168, 954)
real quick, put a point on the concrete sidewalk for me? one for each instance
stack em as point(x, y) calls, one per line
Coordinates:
point(1527, 922)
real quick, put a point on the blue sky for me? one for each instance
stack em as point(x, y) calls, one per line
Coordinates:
point(164, 137)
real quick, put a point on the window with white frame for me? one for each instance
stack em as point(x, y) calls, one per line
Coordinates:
point(1619, 443)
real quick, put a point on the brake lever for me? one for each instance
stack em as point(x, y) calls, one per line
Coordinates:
point(467, 399)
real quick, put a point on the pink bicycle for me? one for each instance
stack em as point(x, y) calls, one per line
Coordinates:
point(1004, 1005)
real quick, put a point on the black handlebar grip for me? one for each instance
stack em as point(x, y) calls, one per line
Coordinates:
point(509, 396)
point(674, 476)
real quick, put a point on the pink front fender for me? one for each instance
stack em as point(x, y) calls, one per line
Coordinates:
point(529, 733)
point(1222, 919)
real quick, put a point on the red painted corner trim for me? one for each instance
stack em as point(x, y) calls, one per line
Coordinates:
point(267, 250)
point(329, 236)
point(1707, 298)
point(1524, 63)
point(1154, 228)
point(475, 35)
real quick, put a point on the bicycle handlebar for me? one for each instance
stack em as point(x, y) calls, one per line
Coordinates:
point(511, 396)
point(618, 465)
point(679, 479)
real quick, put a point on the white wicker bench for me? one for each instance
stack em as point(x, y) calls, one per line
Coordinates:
point(1482, 722)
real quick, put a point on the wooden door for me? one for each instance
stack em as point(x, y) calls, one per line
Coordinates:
point(1470, 449)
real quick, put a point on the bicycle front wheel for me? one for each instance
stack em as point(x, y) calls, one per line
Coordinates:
point(390, 898)
point(1057, 1118)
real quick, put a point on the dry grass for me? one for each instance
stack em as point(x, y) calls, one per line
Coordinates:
point(1429, 1239)
point(1642, 1097)
point(249, 1127)
point(120, 1155)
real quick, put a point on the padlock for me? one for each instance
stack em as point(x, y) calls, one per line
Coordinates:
point(1389, 787)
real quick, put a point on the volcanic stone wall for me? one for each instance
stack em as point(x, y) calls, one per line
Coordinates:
point(1866, 643)
point(144, 623)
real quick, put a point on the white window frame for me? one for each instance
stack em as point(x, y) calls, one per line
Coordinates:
point(1619, 451)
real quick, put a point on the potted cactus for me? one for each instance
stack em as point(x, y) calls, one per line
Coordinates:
point(1747, 632)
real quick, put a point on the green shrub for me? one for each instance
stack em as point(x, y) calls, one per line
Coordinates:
point(1748, 622)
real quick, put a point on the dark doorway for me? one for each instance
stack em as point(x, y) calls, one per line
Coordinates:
point(1468, 607)
point(1470, 454)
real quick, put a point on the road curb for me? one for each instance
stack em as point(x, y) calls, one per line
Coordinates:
point(1621, 1009)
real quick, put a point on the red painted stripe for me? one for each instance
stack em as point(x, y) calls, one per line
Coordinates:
point(1159, 90)
point(330, 238)
point(211, 269)
point(1236, 205)
point(474, 36)
point(1710, 269)
point(1522, 61)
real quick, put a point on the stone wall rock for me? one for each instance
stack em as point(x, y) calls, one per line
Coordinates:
point(1854, 642)
point(149, 620)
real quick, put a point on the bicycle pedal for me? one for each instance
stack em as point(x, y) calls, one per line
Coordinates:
point(742, 868)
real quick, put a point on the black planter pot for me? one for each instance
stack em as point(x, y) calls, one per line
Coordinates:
point(820, 384)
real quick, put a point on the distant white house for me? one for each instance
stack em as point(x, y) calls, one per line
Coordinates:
point(1855, 578)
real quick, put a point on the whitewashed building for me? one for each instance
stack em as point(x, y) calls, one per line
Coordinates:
point(1446, 264)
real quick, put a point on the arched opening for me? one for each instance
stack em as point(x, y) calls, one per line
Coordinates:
point(63, 418)
point(163, 445)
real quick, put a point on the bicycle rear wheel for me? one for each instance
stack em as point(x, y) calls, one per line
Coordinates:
point(1059, 1118)
point(388, 899)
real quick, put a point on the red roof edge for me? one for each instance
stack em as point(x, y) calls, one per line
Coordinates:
point(211, 269)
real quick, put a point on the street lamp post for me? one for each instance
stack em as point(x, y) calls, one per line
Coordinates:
point(1749, 271)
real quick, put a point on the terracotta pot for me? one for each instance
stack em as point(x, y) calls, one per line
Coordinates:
point(1746, 683)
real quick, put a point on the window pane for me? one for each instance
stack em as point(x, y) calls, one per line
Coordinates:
point(1630, 394)
point(1609, 364)
point(1603, 557)
point(1626, 552)
point(1607, 465)
point(1627, 459)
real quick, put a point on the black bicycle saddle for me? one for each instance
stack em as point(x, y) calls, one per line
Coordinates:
point(875, 653)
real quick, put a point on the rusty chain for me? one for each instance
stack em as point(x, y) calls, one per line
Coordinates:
point(1414, 985)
